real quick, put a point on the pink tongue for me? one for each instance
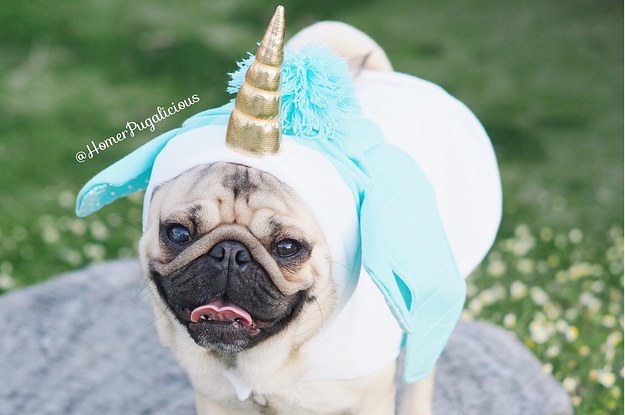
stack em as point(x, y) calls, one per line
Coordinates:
point(218, 311)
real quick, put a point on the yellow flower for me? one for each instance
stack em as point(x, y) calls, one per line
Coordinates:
point(466, 315)
point(606, 378)
point(553, 260)
point(546, 234)
point(608, 321)
point(572, 333)
point(584, 351)
point(615, 392)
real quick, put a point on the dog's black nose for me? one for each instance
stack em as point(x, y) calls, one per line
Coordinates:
point(226, 252)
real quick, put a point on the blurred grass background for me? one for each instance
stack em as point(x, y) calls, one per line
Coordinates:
point(544, 77)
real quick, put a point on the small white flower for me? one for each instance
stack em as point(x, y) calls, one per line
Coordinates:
point(66, 199)
point(571, 314)
point(77, 227)
point(99, 231)
point(518, 290)
point(509, 320)
point(496, 267)
point(582, 269)
point(562, 326)
point(606, 378)
point(540, 332)
point(71, 256)
point(590, 301)
point(553, 311)
point(572, 333)
point(471, 289)
point(525, 266)
point(95, 252)
point(539, 296)
point(553, 351)
point(598, 286)
point(6, 282)
point(50, 234)
point(487, 297)
point(476, 306)
point(569, 384)
point(608, 321)
point(576, 235)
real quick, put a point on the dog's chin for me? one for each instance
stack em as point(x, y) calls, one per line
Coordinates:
point(228, 328)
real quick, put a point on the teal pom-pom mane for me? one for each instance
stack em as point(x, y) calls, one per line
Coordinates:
point(317, 93)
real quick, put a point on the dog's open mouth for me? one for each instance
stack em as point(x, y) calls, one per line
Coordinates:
point(221, 318)
point(223, 325)
point(222, 312)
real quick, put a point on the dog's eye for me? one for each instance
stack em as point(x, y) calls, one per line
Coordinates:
point(178, 234)
point(287, 248)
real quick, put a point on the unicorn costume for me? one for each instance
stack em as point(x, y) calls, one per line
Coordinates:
point(400, 177)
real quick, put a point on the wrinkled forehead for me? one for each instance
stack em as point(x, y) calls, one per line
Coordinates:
point(228, 191)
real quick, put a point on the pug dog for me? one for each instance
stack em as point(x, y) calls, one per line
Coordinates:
point(242, 281)
point(276, 292)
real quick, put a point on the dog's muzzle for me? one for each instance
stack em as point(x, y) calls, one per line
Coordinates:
point(226, 299)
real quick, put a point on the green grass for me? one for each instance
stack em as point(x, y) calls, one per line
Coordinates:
point(545, 78)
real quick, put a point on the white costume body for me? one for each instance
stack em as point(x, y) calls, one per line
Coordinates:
point(453, 150)
point(449, 144)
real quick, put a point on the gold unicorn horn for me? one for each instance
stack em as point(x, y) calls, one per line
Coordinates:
point(254, 126)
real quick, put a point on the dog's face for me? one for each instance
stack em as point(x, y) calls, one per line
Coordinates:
point(235, 257)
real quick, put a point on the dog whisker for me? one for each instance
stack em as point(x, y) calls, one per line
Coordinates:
point(320, 312)
point(134, 223)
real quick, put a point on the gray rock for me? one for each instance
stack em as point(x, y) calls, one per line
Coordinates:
point(85, 343)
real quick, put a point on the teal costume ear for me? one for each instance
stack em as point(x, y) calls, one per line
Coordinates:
point(406, 253)
point(128, 175)
point(132, 173)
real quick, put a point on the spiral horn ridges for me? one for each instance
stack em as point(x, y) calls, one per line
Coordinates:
point(254, 126)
